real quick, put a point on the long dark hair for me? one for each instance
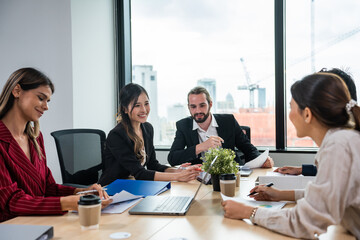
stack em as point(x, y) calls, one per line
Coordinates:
point(327, 96)
point(129, 95)
point(27, 78)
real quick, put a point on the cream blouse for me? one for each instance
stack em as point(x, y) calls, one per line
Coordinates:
point(333, 198)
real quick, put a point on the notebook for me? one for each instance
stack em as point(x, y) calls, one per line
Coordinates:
point(166, 205)
point(25, 232)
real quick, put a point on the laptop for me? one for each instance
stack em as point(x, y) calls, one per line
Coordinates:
point(26, 232)
point(166, 205)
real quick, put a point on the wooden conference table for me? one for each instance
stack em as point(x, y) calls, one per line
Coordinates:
point(204, 220)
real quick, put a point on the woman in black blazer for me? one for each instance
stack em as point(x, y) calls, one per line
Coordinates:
point(129, 148)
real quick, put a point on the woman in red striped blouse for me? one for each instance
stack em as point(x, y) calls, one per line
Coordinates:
point(27, 186)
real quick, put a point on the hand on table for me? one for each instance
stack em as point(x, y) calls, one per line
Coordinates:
point(189, 173)
point(99, 191)
point(105, 202)
point(183, 166)
point(212, 142)
point(105, 199)
point(289, 170)
point(236, 210)
point(269, 163)
point(265, 193)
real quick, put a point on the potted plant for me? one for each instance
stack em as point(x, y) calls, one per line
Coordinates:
point(225, 163)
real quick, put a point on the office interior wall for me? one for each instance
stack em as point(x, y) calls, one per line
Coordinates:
point(37, 34)
point(93, 50)
point(72, 42)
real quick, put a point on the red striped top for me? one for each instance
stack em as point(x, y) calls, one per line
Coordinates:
point(27, 187)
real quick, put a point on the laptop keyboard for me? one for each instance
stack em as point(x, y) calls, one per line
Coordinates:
point(172, 204)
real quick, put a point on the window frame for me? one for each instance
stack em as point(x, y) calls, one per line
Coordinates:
point(124, 66)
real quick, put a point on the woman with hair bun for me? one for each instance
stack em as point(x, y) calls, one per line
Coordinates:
point(321, 108)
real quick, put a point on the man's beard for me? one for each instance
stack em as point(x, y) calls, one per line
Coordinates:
point(202, 119)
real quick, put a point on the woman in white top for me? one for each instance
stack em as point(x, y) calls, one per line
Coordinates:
point(322, 109)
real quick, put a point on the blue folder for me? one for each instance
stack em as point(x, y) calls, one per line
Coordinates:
point(138, 187)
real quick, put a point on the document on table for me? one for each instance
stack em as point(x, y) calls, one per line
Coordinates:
point(259, 161)
point(252, 202)
point(120, 207)
point(121, 201)
point(277, 174)
point(124, 196)
point(285, 181)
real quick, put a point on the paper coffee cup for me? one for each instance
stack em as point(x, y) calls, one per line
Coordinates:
point(228, 184)
point(89, 207)
point(238, 175)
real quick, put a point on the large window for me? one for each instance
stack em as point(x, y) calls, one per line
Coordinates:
point(320, 34)
point(229, 48)
point(225, 46)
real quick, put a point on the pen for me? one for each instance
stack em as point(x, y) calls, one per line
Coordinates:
point(90, 191)
point(207, 136)
point(267, 185)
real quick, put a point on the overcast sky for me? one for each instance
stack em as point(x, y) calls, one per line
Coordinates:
point(186, 40)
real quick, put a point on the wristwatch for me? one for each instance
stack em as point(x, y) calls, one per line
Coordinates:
point(253, 214)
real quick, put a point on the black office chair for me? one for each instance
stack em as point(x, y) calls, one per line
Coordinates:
point(80, 154)
point(247, 131)
point(239, 153)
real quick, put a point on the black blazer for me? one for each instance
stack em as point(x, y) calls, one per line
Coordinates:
point(120, 160)
point(186, 139)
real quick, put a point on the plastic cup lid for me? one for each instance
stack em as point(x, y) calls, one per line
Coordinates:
point(89, 200)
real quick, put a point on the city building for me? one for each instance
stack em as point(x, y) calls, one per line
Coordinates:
point(210, 85)
point(145, 76)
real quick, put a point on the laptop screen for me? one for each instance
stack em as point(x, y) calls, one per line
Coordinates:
point(205, 177)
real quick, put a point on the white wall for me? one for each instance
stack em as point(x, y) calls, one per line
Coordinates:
point(37, 34)
point(93, 51)
point(71, 42)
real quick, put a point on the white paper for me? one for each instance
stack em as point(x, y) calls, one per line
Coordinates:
point(259, 161)
point(120, 206)
point(253, 203)
point(286, 181)
point(123, 196)
point(276, 174)
point(121, 201)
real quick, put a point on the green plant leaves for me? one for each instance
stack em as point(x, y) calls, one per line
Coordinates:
point(225, 162)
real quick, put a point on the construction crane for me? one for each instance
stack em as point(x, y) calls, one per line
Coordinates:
point(330, 43)
point(249, 86)
point(337, 39)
